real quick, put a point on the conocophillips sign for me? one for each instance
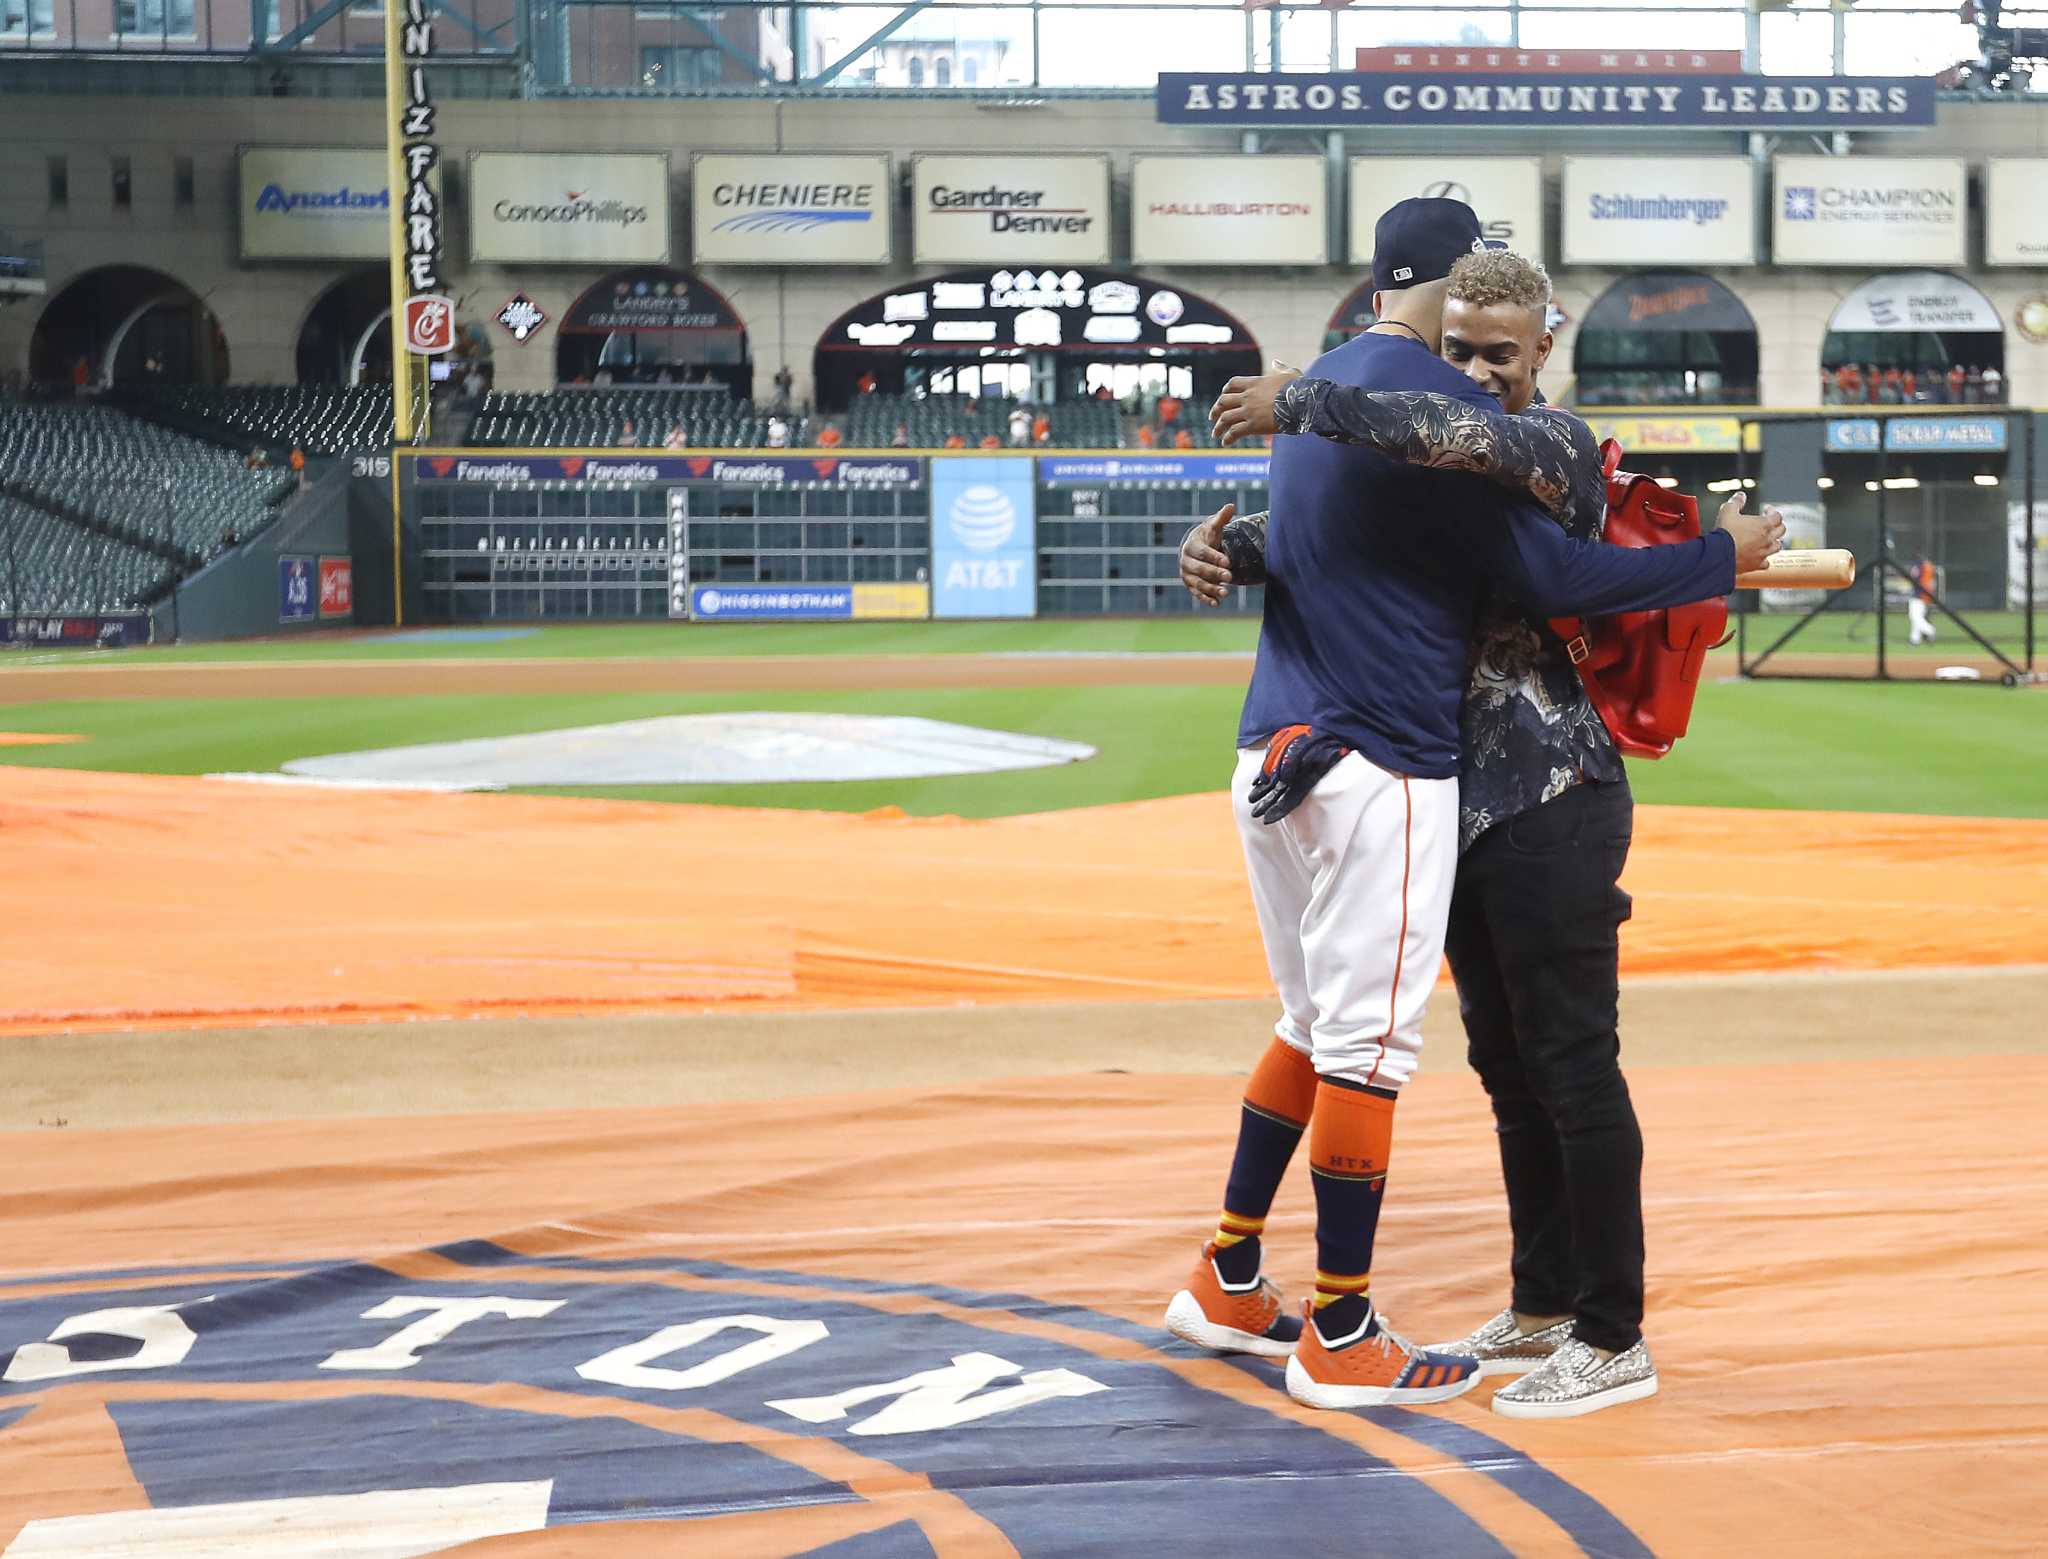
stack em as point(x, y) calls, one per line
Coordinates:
point(553, 209)
point(1010, 210)
point(797, 208)
point(315, 203)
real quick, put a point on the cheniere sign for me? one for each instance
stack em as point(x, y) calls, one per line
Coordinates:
point(1464, 98)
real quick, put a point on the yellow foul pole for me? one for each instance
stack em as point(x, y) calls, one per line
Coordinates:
point(401, 360)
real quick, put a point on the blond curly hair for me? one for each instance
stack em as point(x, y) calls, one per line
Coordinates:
point(1499, 276)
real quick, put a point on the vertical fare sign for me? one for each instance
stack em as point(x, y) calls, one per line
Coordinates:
point(422, 319)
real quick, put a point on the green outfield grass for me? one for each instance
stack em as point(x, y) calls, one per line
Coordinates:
point(1959, 751)
point(1855, 633)
point(1210, 631)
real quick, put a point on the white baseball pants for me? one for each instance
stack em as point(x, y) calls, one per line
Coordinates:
point(1353, 891)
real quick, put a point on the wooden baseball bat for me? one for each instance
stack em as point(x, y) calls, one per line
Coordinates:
point(1812, 568)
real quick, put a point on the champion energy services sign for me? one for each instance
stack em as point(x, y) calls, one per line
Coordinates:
point(1010, 210)
point(1229, 211)
point(314, 203)
point(797, 208)
point(1853, 210)
point(553, 208)
point(1654, 211)
point(1469, 100)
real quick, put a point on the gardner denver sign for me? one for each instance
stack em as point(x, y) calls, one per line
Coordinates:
point(1463, 98)
point(1011, 210)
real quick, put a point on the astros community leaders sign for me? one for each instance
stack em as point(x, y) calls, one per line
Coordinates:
point(1010, 210)
point(1574, 102)
point(558, 208)
point(794, 208)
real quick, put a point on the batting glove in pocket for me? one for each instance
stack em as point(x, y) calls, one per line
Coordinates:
point(1297, 757)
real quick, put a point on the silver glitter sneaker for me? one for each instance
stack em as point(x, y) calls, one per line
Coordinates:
point(1573, 1380)
point(1502, 1348)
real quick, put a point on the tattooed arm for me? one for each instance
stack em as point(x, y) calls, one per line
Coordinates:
point(1548, 454)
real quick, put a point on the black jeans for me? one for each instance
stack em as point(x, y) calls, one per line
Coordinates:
point(1533, 942)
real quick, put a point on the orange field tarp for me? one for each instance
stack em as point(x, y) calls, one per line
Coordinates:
point(149, 901)
point(1845, 1269)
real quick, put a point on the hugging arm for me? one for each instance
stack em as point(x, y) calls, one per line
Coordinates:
point(1556, 575)
point(1548, 455)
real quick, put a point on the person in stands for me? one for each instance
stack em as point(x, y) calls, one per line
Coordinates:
point(1146, 437)
point(990, 441)
point(1041, 429)
point(955, 441)
point(1957, 378)
point(1183, 439)
point(1848, 384)
point(778, 432)
point(829, 436)
point(900, 439)
point(1169, 409)
point(1994, 385)
point(1909, 387)
point(299, 466)
point(1020, 427)
point(677, 438)
point(628, 437)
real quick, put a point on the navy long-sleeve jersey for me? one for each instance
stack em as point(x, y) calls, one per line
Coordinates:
point(1375, 571)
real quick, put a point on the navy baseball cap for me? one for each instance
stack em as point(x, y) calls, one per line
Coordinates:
point(1419, 240)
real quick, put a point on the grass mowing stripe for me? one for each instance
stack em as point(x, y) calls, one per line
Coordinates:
point(1924, 748)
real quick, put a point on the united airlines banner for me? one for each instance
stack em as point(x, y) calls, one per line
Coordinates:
point(1659, 210)
point(1863, 210)
point(796, 208)
point(1468, 100)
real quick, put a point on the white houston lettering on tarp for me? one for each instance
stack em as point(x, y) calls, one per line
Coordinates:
point(721, 749)
point(377, 1524)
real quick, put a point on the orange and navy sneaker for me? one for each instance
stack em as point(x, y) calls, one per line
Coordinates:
point(1373, 1367)
point(1231, 1318)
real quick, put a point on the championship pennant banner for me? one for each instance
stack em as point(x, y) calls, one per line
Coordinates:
point(1601, 102)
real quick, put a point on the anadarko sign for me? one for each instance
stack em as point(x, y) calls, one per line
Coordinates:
point(1229, 211)
point(1853, 210)
point(552, 208)
point(314, 203)
point(1463, 98)
point(1010, 210)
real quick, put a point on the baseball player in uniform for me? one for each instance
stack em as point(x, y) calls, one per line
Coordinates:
point(1373, 585)
point(1545, 823)
point(1919, 624)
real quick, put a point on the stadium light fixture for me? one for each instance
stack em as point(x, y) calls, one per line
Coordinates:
point(1985, 479)
point(1900, 484)
point(1825, 483)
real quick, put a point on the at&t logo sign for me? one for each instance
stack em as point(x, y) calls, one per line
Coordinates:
point(982, 519)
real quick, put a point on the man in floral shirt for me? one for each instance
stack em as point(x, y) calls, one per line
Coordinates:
point(1545, 823)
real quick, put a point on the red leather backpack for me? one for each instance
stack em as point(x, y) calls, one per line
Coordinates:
point(1641, 669)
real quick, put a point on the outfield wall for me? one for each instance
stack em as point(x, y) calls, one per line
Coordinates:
point(730, 535)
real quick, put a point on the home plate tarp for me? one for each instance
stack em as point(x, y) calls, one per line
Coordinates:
point(753, 748)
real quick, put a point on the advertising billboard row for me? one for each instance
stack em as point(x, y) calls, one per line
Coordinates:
point(803, 208)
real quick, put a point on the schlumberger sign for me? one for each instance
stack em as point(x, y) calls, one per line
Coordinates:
point(1465, 99)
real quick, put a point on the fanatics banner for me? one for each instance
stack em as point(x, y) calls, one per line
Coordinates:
point(1600, 102)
